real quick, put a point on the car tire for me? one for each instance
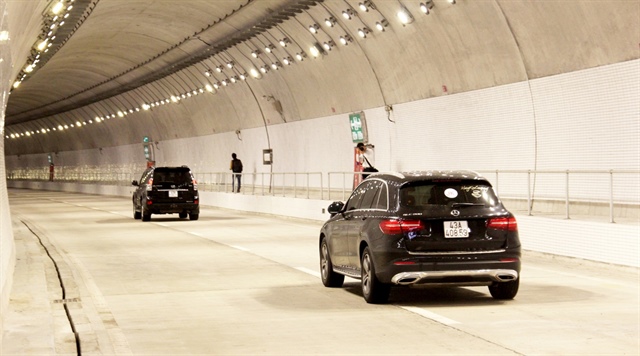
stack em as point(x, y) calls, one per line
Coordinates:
point(136, 214)
point(146, 216)
point(193, 216)
point(373, 291)
point(504, 290)
point(329, 277)
point(182, 215)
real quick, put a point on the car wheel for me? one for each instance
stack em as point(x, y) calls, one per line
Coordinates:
point(182, 215)
point(136, 214)
point(329, 277)
point(373, 291)
point(504, 290)
point(193, 216)
point(146, 216)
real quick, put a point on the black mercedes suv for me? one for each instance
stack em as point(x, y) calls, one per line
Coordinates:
point(166, 190)
point(433, 227)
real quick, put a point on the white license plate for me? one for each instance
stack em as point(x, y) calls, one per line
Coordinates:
point(173, 194)
point(456, 229)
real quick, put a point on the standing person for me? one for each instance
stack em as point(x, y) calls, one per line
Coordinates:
point(366, 159)
point(236, 168)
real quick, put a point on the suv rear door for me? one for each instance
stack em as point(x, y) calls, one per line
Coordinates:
point(455, 216)
point(172, 185)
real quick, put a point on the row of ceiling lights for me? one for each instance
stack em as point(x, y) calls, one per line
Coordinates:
point(240, 74)
point(54, 18)
point(317, 49)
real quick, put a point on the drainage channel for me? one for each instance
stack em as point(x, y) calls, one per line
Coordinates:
point(64, 299)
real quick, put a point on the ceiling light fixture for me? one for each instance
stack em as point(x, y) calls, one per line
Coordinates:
point(328, 45)
point(255, 53)
point(269, 48)
point(330, 22)
point(363, 32)
point(314, 28)
point(301, 56)
point(230, 64)
point(426, 6)
point(345, 39)
point(405, 16)
point(382, 24)
point(287, 60)
point(348, 14)
point(284, 42)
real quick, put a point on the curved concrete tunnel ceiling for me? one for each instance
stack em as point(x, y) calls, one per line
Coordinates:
point(155, 68)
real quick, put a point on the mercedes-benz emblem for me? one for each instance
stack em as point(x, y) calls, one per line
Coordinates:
point(455, 212)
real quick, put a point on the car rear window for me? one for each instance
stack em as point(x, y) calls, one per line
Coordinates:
point(175, 175)
point(428, 194)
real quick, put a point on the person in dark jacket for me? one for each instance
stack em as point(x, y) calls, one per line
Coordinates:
point(236, 168)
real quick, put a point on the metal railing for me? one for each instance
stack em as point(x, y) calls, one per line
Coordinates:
point(615, 189)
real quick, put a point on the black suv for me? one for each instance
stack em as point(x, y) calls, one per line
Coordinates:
point(418, 228)
point(166, 190)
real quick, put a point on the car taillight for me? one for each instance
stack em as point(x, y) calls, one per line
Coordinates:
point(509, 224)
point(150, 185)
point(394, 227)
point(195, 184)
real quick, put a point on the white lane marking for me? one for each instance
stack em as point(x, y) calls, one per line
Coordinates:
point(430, 315)
point(197, 234)
point(309, 271)
point(162, 224)
point(239, 248)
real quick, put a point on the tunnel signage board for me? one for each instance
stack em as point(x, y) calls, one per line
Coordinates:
point(358, 126)
point(148, 150)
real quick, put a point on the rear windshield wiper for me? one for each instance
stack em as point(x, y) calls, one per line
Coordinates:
point(457, 205)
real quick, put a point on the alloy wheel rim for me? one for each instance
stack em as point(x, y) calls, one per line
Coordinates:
point(366, 277)
point(324, 260)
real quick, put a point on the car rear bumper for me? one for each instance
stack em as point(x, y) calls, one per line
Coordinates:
point(464, 276)
point(172, 208)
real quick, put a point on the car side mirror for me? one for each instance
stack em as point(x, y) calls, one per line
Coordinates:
point(335, 207)
point(135, 182)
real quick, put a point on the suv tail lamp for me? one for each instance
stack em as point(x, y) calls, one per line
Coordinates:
point(150, 185)
point(509, 224)
point(394, 227)
point(195, 184)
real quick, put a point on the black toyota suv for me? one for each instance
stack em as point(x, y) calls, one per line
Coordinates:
point(433, 227)
point(166, 190)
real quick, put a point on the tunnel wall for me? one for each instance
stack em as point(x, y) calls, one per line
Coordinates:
point(584, 120)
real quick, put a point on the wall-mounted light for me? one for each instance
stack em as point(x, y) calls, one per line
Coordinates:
point(330, 22)
point(348, 14)
point(382, 24)
point(426, 6)
point(314, 28)
point(363, 32)
point(405, 16)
